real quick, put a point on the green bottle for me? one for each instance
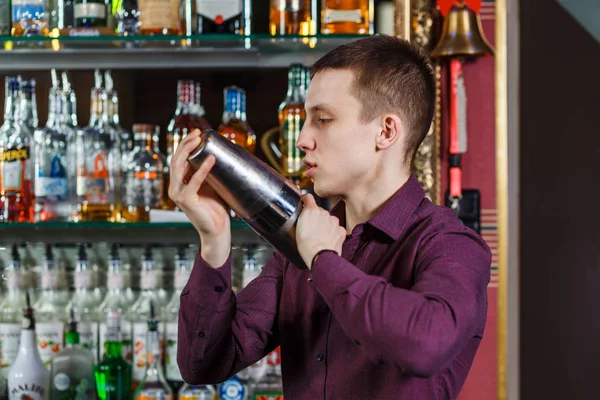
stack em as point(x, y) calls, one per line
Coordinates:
point(113, 373)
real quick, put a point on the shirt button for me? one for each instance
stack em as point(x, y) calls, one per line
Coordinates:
point(320, 357)
point(219, 289)
point(201, 334)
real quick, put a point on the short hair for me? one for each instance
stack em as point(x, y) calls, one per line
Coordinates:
point(391, 76)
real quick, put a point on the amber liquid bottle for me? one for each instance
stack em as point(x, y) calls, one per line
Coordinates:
point(347, 17)
point(292, 17)
point(234, 125)
point(159, 17)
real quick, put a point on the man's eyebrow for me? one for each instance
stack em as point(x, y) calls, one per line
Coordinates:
point(321, 107)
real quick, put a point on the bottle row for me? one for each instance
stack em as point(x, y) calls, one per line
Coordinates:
point(123, 340)
point(182, 17)
point(104, 172)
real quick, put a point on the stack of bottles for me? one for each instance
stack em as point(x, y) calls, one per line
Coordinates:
point(119, 343)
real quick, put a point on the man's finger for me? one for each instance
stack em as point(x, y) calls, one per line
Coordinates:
point(187, 145)
point(309, 201)
point(200, 176)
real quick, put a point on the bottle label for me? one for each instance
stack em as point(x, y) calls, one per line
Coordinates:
point(171, 367)
point(14, 279)
point(61, 381)
point(125, 340)
point(115, 279)
point(15, 168)
point(49, 279)
point(143, 189)
point(148, 280)
point(332, 16)
point(88, 337)
point(219, 10)
point(10, 338)
point(93, 180)
point(27, 10)
point(83, 280)
point(158, 14)
point(232, 389)
point(54, 187)
point(28, 391)
point(140, 353)
point(50, 339)
point(90, 10)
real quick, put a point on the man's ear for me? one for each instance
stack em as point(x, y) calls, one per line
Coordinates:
point(391, 130)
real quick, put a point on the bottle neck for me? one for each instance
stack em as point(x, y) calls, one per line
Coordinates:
point(54, 108)
point(72, 339)
point(235, 107)
point(153, 343)
point(28, 342)
point(10, 104)
point(185, 99)
point(96, 107)
point(114, 348)
point(113, 107)
point(27, 110)
point(143, 140)
point(69, 108)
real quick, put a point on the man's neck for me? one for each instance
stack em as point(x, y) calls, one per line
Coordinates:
point(364, 204)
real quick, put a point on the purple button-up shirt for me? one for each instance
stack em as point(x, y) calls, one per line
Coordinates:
point(399, 315)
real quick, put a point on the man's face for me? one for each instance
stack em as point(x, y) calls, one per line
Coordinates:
point(340, 148)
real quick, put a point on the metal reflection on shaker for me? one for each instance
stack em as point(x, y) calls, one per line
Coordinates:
point(263, 198)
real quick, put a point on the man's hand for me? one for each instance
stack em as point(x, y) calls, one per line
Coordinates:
point(317, 230)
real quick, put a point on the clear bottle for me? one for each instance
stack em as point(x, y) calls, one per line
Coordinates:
point(234, 124)
point(119, 298)
point(143, 178)
point(114, 121)
point(85, 303)
point(98, 165)
point(72, 370)
point(171, 317)
point(68, 103)
point(347, 17)
point(28, 377)
point(29, 18)
point(113, 373)
point(51, 307)
point(11, 314)
point(11, 102)
point(197, 392)
point(16, 167)
point(153, 385)
point(50, 150)
point(139, 314)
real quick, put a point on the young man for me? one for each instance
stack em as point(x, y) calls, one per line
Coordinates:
point(394, 303)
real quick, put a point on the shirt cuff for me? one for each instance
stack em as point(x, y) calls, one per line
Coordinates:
point(333, 275)
point(208, 286)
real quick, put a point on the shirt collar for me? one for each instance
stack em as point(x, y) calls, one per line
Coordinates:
point(392, 218)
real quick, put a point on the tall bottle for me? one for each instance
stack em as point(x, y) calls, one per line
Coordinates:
point(114, 121)
point(153, 385)
point(90, 13)
point(98, 165)
point(11, 310)
point(228, 16)
point(28, 377)
point(171, 317)
point(119, 298)
point(51, 308)
point(293, 17)
point(113, 373)
point(68, 103)
point(347, 17)
point(158, 17)
point(16, 163)
point(84, 304)
point(270, 385)
point(11, 101)
point(72, 370)
point(234, 124)
point(197, 392)
point(50, 150)
point(144, 184)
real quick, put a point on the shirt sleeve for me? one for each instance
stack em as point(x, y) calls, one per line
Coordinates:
point(423, 329)
point(219, 333)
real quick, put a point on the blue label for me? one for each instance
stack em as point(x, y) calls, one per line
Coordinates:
point(232, 389)
point(57, 169)
point(27, 12)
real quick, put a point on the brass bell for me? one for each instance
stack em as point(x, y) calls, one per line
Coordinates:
point(462, 35)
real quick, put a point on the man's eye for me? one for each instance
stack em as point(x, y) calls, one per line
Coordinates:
point(324, 121)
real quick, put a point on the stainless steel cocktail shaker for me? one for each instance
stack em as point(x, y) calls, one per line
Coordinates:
point(263, 198)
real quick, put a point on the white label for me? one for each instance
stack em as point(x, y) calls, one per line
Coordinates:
point(49, 279)
point(140, 354)
point(14, 280)
point(88, 337)
point(90, 10)
point(61, 381)
point(50, 186)
point(171, 367)
point(342, 16)
point(50, 339)
point(115, 280)
point(225, 9)
point(10, 337)
point(83, 280)
point(148, 280)
point(11, 175)
point(125, 339)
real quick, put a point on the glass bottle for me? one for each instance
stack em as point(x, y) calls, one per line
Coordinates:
point(90, 13)
point(270, 385)
point(29, 18)
point(234, 125)
point(198, 109)
point(347, 17)
point(28, 377)
point(197, 392)
point(16, 163)
point(113, 373)
point(50, 149)
point(72, 370)
point(226, 16)
point(119, 298)
point(171, 318)
point(5, 15)
point(153, 385)
point(51, 308)
point(98, 165)
point(235, 388)
point(11, 102)
point(114, 121)
point(143, 178)
point(293, 17)
point(85, 303)
point(11, 310)
point(68, 103)
point(159, 17)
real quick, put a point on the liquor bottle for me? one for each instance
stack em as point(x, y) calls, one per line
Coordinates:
point(234, 125)
point(114, 121)
point(11, 101)
point(16, 164)
point(293, 17)
point(143, 178)
point(270, 385)
point(11, 310)
point(347, 17)
point(198, 109)
point(52, 202)
point(84, 304)
point(5, 23)
point(98, 165)
point(235, 388)
point(68, 103)
point(151, 293)
point(28, 377)
point(72, 370)
point(159, 17)
point(153, 385)
point(113, 373)
point(90, 13)
point(119, 298)
point(51, 308)
point(197, 392)
point(227, 16)
point(171, 317)
point(29, 18)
